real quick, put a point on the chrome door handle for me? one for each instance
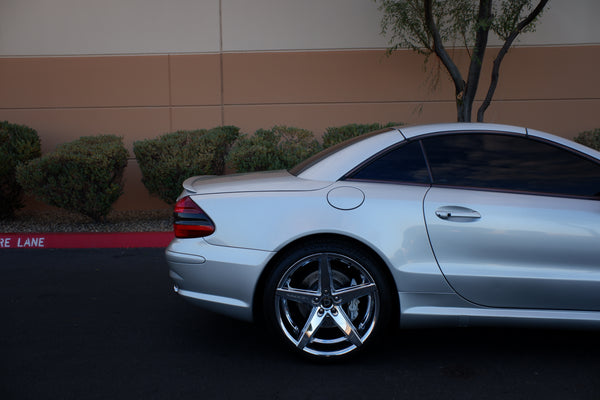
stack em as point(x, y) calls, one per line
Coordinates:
point(450, 212)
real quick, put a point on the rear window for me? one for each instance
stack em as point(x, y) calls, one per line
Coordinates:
point(403, 164)
point(306, 164)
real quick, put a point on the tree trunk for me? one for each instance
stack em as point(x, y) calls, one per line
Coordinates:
point(484, 17)
point(463, 108)
point(440, 51)
point(507, 44)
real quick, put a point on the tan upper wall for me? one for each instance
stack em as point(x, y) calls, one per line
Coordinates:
point(87, 27)
point(92, 27)
point(567, 22)
point(265, 25)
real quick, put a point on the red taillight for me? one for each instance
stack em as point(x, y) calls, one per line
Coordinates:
point(192, 231)
point(190, 220)
point(187, 205)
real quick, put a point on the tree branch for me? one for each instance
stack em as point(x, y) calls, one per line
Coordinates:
point(483, 28)
point(498, 60)
point(440, 51)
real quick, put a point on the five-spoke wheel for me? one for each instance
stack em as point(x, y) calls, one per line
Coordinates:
point(326, 299)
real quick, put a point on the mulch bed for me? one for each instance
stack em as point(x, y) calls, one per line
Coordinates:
point(58, 220)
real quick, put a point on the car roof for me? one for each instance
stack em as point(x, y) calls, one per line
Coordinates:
point(418, 130)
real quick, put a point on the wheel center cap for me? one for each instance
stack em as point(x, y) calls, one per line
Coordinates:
point(326, 302)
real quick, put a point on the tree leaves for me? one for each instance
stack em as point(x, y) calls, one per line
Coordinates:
point(430, 26)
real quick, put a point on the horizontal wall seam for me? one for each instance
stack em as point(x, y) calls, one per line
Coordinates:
point(157, 107)
point(400, 102)
point(324, 103)
point(238, 51)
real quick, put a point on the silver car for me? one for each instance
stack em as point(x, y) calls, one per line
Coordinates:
point(448, 224)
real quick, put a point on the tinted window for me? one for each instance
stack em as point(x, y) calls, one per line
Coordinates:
point(403, 164)
point(306, 164)
point(510, 163)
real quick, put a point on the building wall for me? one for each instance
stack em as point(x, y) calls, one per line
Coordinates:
point(140, 68)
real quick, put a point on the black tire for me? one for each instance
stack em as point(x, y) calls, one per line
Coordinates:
point(327, 299)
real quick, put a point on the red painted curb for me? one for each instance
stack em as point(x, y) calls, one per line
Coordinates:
point(84, 240)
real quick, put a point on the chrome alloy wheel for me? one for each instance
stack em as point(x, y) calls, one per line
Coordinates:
point(327, 304)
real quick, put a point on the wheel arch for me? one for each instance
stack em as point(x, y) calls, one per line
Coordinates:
point(347, 240)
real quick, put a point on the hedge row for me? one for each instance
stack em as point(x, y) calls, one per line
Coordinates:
point(167, 161)
point(84, 176)
point(339, 134)
point(590, 139)
point(18, 144)
point(268, 149)
point(283, 147)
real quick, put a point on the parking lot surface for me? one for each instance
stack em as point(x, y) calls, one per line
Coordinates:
point(104, 324)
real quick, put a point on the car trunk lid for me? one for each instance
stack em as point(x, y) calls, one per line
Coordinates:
point(250, 182)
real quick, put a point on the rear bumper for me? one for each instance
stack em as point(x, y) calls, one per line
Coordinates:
point(218, 278)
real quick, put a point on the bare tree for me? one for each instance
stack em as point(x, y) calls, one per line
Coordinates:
point(428, 26)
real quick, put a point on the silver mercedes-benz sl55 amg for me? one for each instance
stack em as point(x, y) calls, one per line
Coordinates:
point(447, 224)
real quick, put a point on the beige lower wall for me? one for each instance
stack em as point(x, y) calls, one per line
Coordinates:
point(555, 89)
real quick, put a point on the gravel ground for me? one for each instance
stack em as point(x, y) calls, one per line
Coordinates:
point(29, 221)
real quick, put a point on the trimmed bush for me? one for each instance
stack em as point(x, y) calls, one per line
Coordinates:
point(168, 160)
point(338, 134)
point(590, 138)
point(278, 148)
point(85, 176)
point(18, 144)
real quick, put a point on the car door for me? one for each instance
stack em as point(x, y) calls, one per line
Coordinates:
point(515, 222)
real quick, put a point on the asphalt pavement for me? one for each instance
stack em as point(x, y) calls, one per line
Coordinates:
point(105, 324)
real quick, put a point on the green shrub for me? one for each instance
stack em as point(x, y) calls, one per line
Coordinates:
point(18, 144)
point(84, 176)
point(278, 148)
point(168, 160)
point(338, 134)
point(590, 138)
